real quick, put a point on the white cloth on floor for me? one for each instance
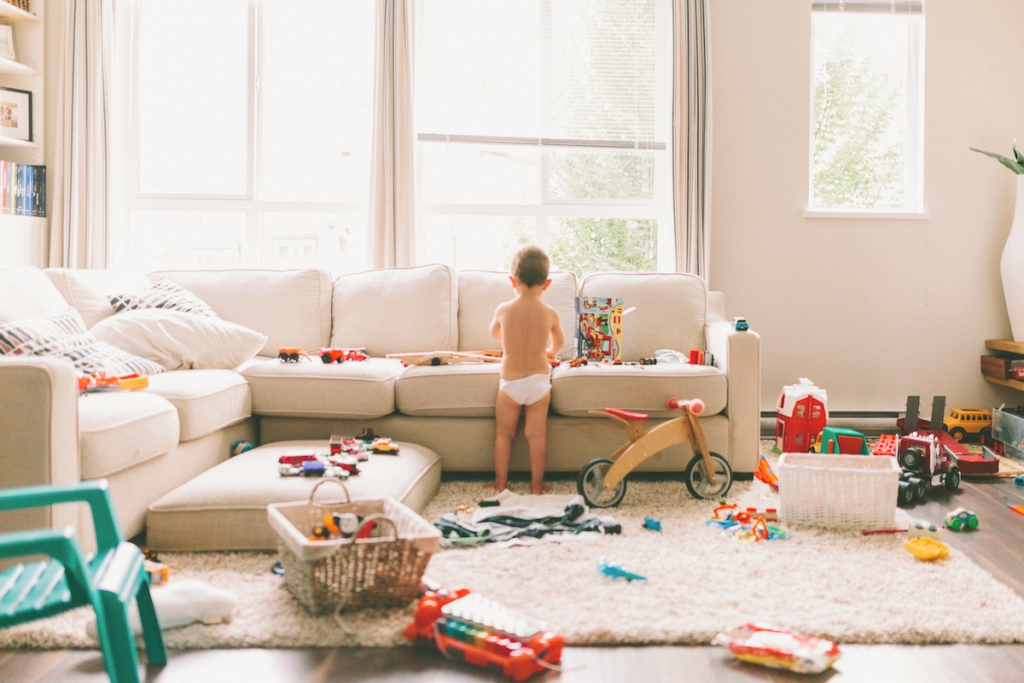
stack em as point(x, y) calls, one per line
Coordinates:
point(180, 603)
point(531, 507)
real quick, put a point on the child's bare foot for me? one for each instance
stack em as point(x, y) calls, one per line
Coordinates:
point(539, 489)
point(495, 487)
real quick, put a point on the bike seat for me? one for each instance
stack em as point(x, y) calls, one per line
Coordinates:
point(625, 414)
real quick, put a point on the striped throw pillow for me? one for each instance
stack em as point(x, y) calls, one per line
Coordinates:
point(63, 335)
point(162, 294)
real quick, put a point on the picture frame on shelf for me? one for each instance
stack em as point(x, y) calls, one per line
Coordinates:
point(15, 114)
point(6, 41)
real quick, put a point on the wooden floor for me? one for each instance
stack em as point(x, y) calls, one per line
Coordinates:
point(998, 546)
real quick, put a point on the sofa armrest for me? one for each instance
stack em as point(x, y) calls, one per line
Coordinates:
point(738, 355)
point(38, 434)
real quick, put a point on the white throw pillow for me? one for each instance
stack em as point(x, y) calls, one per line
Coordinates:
point(175, 339)
point(161, 294)
point(63, 335)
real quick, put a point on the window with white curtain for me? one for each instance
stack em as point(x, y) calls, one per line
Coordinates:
point(544, 122)
point(867, 125)
point(242, 134)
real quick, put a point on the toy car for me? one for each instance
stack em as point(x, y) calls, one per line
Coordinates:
point(384, 445)
point(291, 354)
point(740, 324)
point(366, 435)
point(648, 361)
point(335, 355)
point(960, 519)
point(576, 362)
point(296, 459)
point(969, 421)
point(925, 462)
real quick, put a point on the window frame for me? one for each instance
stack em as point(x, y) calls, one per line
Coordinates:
point(915, 111)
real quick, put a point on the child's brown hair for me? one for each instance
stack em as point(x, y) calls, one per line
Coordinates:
point(530, 266)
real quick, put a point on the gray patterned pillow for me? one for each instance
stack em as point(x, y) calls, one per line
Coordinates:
point(63, 335)
point(162, 294)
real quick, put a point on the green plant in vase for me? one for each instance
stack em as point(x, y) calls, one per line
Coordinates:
point(1016, 164)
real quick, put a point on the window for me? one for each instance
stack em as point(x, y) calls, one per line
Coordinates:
point(868, 112)
point(246, 130)
point(546, 122)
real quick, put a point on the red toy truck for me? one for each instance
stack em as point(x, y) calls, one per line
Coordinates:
point(925, 461)
point(484, 633)
point(335, 355)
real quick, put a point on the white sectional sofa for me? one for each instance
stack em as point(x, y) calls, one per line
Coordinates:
point(150, 441)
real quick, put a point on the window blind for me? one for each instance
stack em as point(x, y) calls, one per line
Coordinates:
point(894, 6)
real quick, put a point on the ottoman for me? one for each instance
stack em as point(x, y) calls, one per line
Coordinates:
point(225, 507)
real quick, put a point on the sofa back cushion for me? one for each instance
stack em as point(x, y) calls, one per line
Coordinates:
point(27, 293)
point(480, 292)
point(89, 291)
point(291, 307)
point(396, 310)
point(671, 309)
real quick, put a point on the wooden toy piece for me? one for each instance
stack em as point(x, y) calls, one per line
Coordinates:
point(601, 482)
point(443, 357)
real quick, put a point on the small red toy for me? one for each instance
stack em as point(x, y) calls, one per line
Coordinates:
point(482, 632)
point(336, 355)
point(297, 459)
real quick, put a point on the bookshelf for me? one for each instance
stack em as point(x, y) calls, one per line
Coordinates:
point(23, 239)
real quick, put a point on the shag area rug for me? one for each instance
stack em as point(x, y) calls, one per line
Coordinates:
point(840, 585)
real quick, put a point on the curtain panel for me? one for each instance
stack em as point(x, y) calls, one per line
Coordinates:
point(691, 134)
point(392, 191)
point(78, 225)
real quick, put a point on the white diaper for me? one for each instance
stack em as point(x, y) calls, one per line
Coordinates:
point(528, 390)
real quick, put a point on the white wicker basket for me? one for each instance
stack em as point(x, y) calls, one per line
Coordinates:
point(844, 491)
point(383, 570)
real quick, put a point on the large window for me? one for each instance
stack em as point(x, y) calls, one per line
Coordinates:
point(868, 102)
point(245, 133)
point(546, 122)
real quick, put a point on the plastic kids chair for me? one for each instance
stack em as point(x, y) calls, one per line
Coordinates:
point(108, 580)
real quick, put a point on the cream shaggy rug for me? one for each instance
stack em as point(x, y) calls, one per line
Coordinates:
point(840, 585)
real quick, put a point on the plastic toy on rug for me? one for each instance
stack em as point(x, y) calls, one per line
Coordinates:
point(602, 482)
point(779, 649)
point(614, 570)
point(926, 549)
point(652, 524)
point(467, 627)
point(765, 473)
point(750, 524)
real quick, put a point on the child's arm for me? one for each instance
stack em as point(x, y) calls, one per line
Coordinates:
point(557, 336)
point(496, 325)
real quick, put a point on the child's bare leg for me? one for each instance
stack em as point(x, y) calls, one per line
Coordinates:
point(506, 415)
point(536, 431)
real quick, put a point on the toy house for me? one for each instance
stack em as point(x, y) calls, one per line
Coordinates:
point(801, 412)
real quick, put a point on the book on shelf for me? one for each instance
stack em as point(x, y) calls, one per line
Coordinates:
point(22, 189)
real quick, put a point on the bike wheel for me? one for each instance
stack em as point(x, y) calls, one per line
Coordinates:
point(696, 477)
point(590, 485)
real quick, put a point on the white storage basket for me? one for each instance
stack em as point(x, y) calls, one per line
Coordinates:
point(843, 491)
point(383, 570)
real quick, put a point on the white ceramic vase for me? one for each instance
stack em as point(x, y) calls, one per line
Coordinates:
point(1011, 267)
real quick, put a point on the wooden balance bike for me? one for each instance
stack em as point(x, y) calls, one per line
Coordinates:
point(602, 482)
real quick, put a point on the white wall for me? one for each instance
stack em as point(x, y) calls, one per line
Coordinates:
point(871, 310)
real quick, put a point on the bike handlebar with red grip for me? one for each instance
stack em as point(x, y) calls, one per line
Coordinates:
point(694, 405)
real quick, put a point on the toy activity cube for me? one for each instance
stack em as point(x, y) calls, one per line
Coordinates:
point(841, 491)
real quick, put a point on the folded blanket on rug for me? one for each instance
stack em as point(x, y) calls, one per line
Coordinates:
point(512, 519)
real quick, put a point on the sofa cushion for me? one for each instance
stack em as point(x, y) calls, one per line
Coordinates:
point(353, 389)
point(175, 339)
point(118, 430)
point(225, 508)
point(396, 310)
point(206, 400)
point(670, 310)
point(459, 390)
point(480, 292)
point(291, 307)
point(644, 388)
point(27, 293)
point(88, 291)
point(162, 294)
point(63, 335)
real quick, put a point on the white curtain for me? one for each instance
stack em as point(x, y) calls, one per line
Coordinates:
point(79, 178)
point(691, 134)
point(392, 195)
